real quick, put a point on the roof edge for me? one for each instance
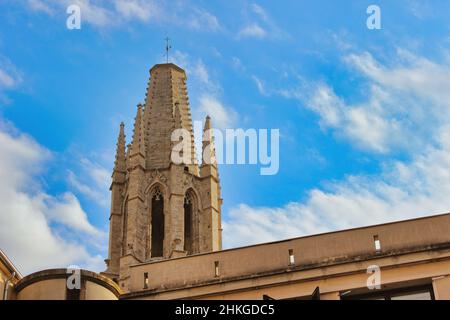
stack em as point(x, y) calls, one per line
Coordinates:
point(170, 64)
point(10, 265)
point(298, 238)
point(63, 274)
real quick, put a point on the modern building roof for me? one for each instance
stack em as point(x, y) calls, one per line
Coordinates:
point(395, 239)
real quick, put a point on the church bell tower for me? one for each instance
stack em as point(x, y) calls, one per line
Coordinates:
point(161, 209)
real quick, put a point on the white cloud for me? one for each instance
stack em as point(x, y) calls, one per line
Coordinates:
point(410, 74)
point(407, 107)
point(252, 31)
point(67, 210)
point(139, 9)
point(39, 5)
point(203, 20)
point(421, 9)
point(260, 25)
point(6, 81)
point(102, 13)
point(198, 74)
point(402, 191)
point(92, 180)
point(237, 64)
point(260, 85)
point(201, 72)
point(91, 13)
point(405, 103)
point(260, 11)
point(30, 218)
point(222, 116)
point(10, 77)
point(365, 124)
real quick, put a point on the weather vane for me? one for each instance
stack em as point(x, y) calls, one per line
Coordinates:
point(168, 47)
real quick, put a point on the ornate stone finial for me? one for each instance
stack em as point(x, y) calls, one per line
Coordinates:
point(138, 144)
point(208, 147)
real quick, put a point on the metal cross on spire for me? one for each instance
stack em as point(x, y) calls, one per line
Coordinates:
point(168, 47)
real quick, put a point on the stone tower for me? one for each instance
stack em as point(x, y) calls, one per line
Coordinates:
point(161, 209)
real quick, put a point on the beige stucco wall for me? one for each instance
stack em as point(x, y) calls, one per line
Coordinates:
point(441, 287)
point(52, 289)
point(326, 249)
point(52, 285)
point(55, 289)
point(95, 291)
point(285, 288)
point(414, 250)
point(404, 271)
point(2, 284)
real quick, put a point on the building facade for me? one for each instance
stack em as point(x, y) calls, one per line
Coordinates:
point(400, 260)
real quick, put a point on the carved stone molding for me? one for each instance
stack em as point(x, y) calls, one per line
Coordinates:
point(157, 176)
point(188, 180)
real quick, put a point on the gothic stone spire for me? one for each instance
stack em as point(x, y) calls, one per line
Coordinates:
point(166, 92)
point(162, 209)
point(120, 162)
point(137, 152)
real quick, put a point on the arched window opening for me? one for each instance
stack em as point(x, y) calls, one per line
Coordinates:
point(188, 223)
point(157, 224)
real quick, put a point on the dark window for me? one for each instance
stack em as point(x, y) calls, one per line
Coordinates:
point(73, 294)
point(157, 224)
point(188, 211)
point(412, 293)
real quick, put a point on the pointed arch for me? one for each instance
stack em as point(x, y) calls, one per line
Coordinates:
point(157, 223)
point(191, 222)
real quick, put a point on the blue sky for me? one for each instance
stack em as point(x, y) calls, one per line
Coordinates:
point(363, 114)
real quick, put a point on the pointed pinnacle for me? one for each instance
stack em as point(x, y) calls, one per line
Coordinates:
point(138, 136)
point(208, 147)
point(207, 123)
point(119, 163)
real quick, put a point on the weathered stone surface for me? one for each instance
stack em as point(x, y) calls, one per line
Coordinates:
point(150, 175)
